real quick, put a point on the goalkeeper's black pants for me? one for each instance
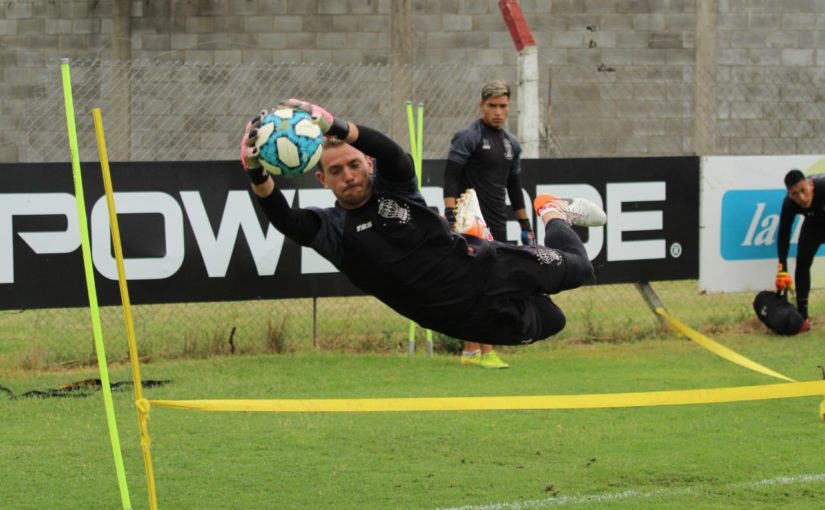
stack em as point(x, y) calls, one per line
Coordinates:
point(516, 307)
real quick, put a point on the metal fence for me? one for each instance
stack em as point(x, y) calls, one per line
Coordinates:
point(167, 111)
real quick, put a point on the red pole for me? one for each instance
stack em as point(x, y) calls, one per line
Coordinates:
point(516, 24)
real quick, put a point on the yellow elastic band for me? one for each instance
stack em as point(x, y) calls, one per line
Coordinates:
point(592, 401)
point(718, 349)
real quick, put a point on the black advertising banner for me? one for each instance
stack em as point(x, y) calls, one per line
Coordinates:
point(652, 206)
point(192, 231)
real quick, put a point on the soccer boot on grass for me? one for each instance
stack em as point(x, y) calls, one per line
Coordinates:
point(471, 359)
point(491, 360)
point(578, 211)
point(468, 218)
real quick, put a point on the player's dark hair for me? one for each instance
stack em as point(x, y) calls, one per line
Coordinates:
point(793, 177)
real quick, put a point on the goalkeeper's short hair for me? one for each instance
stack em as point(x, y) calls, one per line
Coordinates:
point(793, 177)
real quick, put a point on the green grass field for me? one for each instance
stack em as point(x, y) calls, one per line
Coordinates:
point(764, 454)
point(45, 339)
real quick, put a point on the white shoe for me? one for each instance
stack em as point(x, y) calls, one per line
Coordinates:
point(583, 213)
point(579, 211)
point(468, 218)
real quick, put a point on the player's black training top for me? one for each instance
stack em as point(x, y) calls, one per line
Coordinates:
point(393, 247)
point(814, 216)
point(488, 160)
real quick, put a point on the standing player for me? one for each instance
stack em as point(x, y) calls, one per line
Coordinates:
point(382, 235)
point(806, 196)
point(485, 157)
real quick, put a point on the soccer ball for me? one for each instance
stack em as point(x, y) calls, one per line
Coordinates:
point(290, 142)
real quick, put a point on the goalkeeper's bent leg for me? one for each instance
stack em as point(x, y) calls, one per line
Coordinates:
point(558, 235)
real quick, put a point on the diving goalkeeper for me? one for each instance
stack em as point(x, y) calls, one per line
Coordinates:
point(384, 238)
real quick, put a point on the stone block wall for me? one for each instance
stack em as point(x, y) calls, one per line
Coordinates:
point(605, 35)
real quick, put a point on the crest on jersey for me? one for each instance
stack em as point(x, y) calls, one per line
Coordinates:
point(547, 256)
point(390, 209)
point(508, 148)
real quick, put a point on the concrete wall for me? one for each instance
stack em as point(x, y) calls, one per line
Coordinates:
point(606, 34)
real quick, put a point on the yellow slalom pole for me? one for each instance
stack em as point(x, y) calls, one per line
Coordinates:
point(143, 418)
point(419, 171)
point(411, 129)
point(419, 143)
point(105, 386)
point(416, 151)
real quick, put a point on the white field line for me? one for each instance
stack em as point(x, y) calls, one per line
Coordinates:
point(638, 494)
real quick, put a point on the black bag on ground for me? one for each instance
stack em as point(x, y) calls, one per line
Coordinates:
point(774, 310)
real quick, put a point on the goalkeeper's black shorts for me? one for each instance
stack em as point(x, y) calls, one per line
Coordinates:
point(515, 307)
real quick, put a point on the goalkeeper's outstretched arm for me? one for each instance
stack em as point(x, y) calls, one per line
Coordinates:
point(300, 225)
point(393, 163)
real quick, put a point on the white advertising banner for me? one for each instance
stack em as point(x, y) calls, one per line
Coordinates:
point(741, 201)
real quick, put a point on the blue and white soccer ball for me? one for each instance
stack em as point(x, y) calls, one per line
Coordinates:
point(291, 143)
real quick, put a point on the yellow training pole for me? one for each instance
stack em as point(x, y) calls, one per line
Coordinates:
point(143, 419)
point(419, 144)
point(106, 389)
point(416, 144)
point(411, 129)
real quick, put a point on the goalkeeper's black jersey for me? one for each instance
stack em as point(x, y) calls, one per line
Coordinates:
point(394, 247)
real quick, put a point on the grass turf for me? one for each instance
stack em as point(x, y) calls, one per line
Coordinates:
point(756, 454)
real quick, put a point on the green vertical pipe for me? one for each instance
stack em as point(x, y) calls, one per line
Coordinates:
point(103, 367)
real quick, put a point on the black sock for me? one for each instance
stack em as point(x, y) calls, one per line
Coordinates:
point(802, 305)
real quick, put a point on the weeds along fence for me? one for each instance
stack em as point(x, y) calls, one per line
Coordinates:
point(169, 111)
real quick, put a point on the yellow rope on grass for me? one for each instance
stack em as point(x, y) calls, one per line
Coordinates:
point(717, 348)
point(501, 403)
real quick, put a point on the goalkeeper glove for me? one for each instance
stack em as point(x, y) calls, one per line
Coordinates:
point(783, 279)
point(250, 152)
point(528, 238)
point(329, 125)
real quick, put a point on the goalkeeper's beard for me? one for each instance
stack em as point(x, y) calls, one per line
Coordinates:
point(355, 196)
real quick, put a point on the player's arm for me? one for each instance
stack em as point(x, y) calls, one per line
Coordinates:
point(783, 244)
point(514, 191)
point(516, 196)
point(783, 237)
point(300, 225)
point(452, 183)
point(394, 163)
